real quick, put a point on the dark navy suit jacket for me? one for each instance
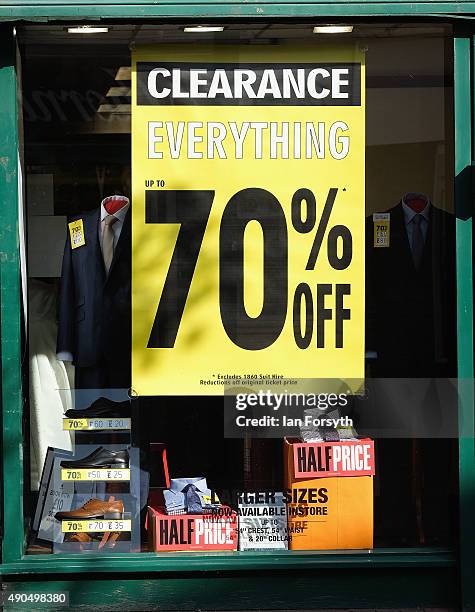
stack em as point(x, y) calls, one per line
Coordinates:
point(95, 310)
point(410, 314)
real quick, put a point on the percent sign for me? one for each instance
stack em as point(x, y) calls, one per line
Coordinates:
point(336, 232)
point(303, 334)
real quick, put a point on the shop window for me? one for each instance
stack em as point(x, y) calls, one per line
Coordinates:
point(111, 468)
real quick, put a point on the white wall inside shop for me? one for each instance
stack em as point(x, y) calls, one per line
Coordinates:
point(408, 121)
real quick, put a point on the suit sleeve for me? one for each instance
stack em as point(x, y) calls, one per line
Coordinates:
point(66, 341)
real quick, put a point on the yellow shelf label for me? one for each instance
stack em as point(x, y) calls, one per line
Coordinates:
point(96, 424)
point(121, 474)
point(73, 424)
point(96, 525)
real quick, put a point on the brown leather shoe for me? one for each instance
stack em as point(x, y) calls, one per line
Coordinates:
point(94, 508)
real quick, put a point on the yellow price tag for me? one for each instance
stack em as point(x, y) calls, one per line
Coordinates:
point(381, 223)
point(76, 233)
point(75, 424)
point(73, 526)
point(208, 499)
point(120, 474)
point(96, 525)
point(96, 424)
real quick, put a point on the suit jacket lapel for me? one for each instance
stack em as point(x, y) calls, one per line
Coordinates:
point(124, 240)
point(402, 249)
point(428, 251)
point(91, 230)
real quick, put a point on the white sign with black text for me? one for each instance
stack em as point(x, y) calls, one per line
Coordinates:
point(262, 521)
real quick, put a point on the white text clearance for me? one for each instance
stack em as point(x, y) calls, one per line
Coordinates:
point(318, 83)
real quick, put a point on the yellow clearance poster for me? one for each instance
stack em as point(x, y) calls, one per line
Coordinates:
point(248, 216)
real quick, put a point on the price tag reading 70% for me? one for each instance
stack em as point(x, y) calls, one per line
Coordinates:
point(95, 525)
point(191, 209)
point(95, 474)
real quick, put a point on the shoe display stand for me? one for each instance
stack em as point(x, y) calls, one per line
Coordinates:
point(110, 523)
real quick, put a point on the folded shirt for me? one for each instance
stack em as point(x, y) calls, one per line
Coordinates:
point(175, 496)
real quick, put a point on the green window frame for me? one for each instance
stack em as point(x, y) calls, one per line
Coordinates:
point(442, 562)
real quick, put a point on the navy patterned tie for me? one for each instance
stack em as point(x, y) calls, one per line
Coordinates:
point(192, 500)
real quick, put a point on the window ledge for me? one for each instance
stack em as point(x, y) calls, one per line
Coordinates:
point(232, 561)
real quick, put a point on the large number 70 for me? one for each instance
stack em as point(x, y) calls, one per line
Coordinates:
point(191, 209)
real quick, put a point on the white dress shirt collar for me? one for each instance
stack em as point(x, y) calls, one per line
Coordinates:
point(409, 214)
point(120, 214)
point(178, 484)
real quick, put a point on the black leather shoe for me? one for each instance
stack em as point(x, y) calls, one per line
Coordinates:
point(100, 458)
point(102, 407)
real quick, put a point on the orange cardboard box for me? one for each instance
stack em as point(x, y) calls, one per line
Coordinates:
point(328, 513)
